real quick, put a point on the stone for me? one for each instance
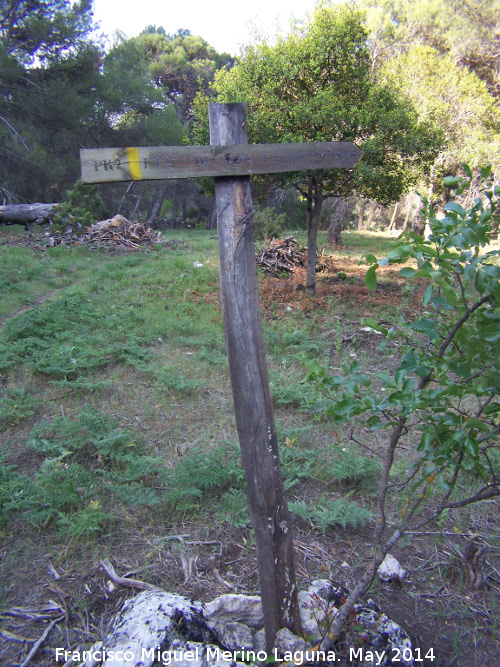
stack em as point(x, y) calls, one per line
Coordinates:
point(245, 609)
point(146, 622)
point(286, 642)
point(157, 627)
point(316, 613)
point(259, 640)
point(234, 636)
point(391, 569)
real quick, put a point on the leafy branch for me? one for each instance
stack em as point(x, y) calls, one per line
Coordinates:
point(442, 394)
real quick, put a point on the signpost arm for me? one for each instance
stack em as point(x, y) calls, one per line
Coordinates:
point(250, 384)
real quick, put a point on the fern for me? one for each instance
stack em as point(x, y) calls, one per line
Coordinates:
point(341, 512)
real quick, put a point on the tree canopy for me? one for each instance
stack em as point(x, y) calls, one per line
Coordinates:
point(315, 85)
point(180, 65)
point(466, 30)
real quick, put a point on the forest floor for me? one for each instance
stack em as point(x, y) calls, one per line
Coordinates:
point(117, 441)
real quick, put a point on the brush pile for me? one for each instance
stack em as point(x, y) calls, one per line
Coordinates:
point(281, 255)
point(116, 234)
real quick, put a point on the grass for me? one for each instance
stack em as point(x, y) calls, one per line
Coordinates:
point(117, 427)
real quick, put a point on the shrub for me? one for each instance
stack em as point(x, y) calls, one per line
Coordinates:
point(444, 392)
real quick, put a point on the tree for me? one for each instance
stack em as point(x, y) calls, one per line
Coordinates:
point(466, 30)
point(48, 71)
point(157, 75)
point(454, 99)
point(180, 65)
point(44, 30)
point(315, 85)
point(443, 395)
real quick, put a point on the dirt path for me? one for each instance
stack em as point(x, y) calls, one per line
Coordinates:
point(37, 302)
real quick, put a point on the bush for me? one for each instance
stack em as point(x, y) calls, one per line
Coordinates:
point(83, 206)
point(268, 224)
point(444, 392)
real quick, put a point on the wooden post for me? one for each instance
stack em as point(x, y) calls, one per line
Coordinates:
point(250, 383)
point(231, 168)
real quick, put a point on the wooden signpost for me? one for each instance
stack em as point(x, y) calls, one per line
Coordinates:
point(102, 165)
point(231, 160)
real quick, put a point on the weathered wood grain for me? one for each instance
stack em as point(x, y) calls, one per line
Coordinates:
point(250, 384)
point(22, 214)
point(103, 165)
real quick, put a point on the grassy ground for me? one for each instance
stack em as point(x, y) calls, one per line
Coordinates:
point(118, 441)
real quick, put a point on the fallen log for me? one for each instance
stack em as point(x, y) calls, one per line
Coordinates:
point(26, 214)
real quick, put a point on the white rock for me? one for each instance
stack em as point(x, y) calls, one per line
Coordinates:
point(391, 569)
point(313, 609)
point(146, 621)
point(371, 330)
point(259, 640)
point(245, 609)
point(287, 641)
point(198, 265)
point(234, 636)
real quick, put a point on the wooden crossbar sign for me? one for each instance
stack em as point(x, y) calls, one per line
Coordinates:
point(104, 165)
point(231, 160)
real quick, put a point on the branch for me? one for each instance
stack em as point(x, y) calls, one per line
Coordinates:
point(457, 326)
point(490, 491)
point(125, 581)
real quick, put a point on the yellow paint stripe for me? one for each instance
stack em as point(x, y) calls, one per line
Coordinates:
point(134, 164)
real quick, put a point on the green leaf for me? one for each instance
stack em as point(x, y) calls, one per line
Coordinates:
point(490, 332)
point(449, 293)
point(452, 180)
point(453, 206)
point(480, 281)
point(408, 272)
point(428, 295)
point(427, 327)
point(371, 278)
point(485, 171)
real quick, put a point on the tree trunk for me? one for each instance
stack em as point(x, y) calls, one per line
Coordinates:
point(250, 384)
point(156, 204)
point(371, 215)
point(392, 225)
point(313, 214)
point(127, 192)
point(408, 211)
point(337, 223)
point(361, 215)
point(211, 222)
point(24, 214)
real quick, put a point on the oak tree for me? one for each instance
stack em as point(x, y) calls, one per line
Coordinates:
point(315, 85)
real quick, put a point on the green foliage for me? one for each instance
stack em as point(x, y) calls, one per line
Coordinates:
point(180, 65)
point(232, 508)
point(82, 206)
point(445, 389)
point(465, 31)
point(315, 85)
point(90, 464)
point(268, 223)
point(328, 513)
point(170, 377)
point(43, 30)
point(15, 405)
point(453, 99)
point(68, 338)
point(203, 475)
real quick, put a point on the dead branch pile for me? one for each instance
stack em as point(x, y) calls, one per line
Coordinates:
point(116, 234)
point(281, 255)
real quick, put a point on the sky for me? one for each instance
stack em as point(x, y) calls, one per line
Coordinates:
point(224, 24)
